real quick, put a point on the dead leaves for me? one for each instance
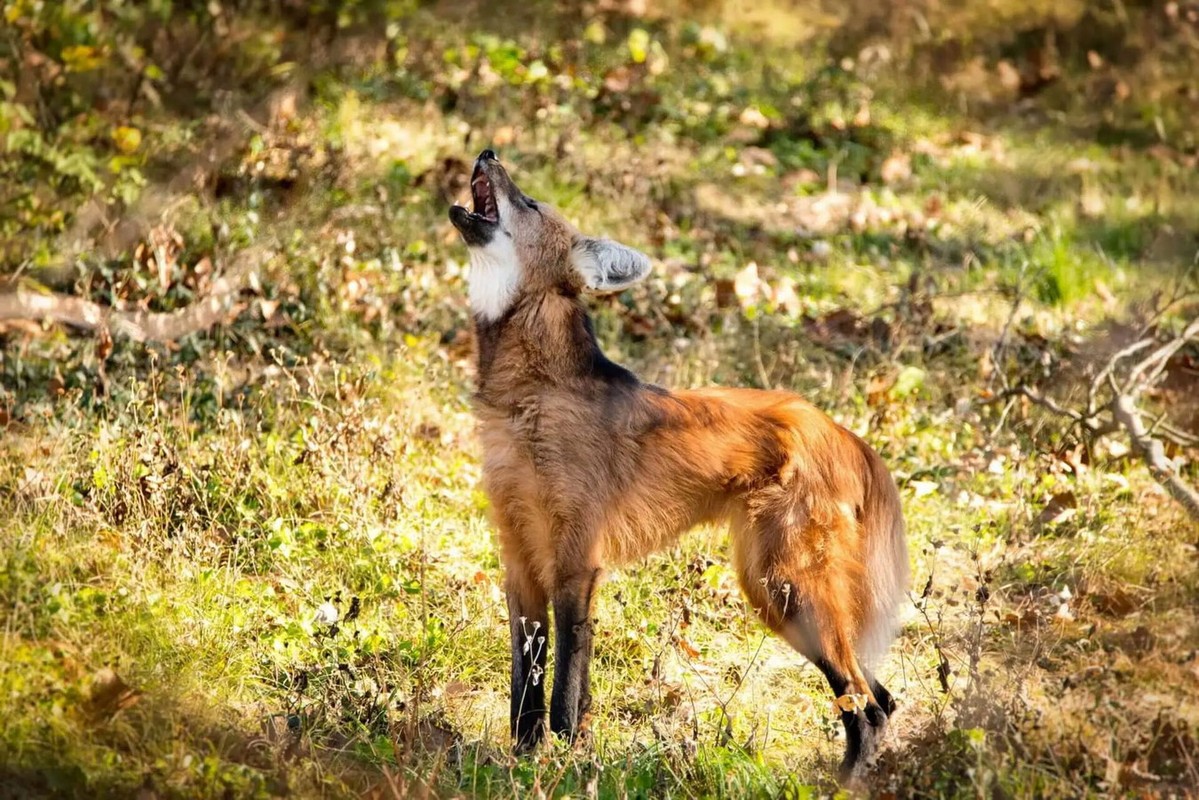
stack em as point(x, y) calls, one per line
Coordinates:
point(691, 650)
point(845, 325)
point(850, 703)
point(1060, 508)
point(109, 695)
point(1136, 643)
point(1114, 601)
point(749, 287)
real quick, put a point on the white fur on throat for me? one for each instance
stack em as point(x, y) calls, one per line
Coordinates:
point(494, 277)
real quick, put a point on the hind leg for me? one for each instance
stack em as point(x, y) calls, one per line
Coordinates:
point(807, 586)
point(863, 702)
point(884, 698)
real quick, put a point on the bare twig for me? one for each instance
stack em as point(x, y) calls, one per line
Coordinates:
point(1154, 454)
point(1111, 406)
point(1007, 408)
point(1106, 370)
point(1152, 366)
point(1088, 422)
point(1177, 435)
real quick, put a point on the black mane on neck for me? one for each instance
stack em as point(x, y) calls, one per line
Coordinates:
point(588, 359)
point(601, 367)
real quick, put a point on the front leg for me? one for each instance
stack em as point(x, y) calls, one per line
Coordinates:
point(571, 699)
point(529, 625)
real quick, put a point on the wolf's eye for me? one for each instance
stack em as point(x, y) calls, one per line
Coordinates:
point(531, 203)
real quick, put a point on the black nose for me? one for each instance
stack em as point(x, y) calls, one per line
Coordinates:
point(488, 155)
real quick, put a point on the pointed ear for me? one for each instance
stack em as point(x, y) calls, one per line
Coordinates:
point(608, 266)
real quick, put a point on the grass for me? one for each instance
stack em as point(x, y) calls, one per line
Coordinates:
point(177, 520)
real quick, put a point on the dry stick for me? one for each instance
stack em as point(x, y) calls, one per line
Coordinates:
point(1155, 363)
point(141, 326)
point(1154, 454)
point(1176, 435)
point(1086, 421)
point(1126, 415)
point(1107, 369)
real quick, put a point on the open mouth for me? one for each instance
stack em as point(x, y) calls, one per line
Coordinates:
point(483, 195)
point(479, 224)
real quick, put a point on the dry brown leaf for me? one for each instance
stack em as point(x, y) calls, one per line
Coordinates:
point(688, 648)
point(850, 703)
point(726, 294)
point(109, 694)
point(1061, 507)
point(879, 386)
point(1136, 643)
point(428, 431)
point(103, 344)
point(1116, 602)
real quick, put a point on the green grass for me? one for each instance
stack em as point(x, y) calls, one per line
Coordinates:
point(173, 519)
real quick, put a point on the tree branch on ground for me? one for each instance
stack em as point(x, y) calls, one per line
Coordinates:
point(1111, 406)
point(1154, 454)
point(142, 326)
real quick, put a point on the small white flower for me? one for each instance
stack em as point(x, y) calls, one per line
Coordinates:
point(326, 614)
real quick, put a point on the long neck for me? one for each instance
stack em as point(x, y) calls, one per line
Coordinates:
point(545, 339)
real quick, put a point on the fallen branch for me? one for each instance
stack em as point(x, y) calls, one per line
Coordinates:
point(1052, 405)
point(141, 326)
point(1154, 454)
point(1153, 365)
point(1111, 406)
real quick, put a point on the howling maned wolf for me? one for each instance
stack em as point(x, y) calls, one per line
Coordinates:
point(586, 465)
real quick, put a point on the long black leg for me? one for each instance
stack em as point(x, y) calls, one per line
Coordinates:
point(529, 626)
point(884, 698)
point(571, 698)
point(863, 727)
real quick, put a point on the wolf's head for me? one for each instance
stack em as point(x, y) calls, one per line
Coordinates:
point(520, 246)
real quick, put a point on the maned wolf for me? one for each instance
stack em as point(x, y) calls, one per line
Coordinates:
point(585, 465)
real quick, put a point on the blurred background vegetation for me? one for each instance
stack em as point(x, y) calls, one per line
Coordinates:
point(244, 553)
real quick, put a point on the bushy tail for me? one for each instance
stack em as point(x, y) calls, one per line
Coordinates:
point(887, 572)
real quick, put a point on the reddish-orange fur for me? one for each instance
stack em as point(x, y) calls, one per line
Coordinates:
point(585, 466)
point(803, 493)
